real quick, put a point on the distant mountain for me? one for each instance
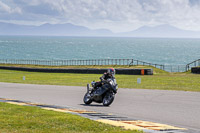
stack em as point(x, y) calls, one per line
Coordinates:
point(51, 29)
point(164, 31)
point(161, 31)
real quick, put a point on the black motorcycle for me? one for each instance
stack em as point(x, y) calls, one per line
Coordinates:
point(104, 94)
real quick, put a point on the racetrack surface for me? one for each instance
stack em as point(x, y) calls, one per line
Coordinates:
point(177, 108)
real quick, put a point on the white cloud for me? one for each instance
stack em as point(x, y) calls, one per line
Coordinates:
point(117, 15)
point(6, 9)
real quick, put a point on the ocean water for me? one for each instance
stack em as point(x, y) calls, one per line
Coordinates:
point(167, 51)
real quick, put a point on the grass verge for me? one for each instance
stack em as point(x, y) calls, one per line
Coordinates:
point(19, 119)
point(160, 80)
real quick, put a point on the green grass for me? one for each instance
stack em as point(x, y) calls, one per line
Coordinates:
point(25, 119)
point(160, 80)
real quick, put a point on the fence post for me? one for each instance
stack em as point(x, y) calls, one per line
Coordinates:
point(171, 68)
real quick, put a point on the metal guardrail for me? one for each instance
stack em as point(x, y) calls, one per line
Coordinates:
point(99, 62)
point(193, 64)
point(96, 62)
point(174, 68)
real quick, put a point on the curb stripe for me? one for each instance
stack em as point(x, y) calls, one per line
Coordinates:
point(17, 103)
point(58, 110)
point(120, 124)
point(152, 125)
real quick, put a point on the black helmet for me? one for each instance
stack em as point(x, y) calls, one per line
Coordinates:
point(111, 71)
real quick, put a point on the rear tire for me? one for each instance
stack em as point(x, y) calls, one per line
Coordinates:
point(87, 99)
point(108, 99)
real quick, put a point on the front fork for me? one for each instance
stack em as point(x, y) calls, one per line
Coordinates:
point(89, 90)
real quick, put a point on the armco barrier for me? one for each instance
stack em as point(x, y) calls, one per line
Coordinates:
point(195, 70)
point(84, 70)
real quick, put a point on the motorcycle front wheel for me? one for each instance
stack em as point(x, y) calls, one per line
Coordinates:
point(87, 98)
point(108, 99)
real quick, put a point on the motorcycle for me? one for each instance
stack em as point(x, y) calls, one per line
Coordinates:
point(104, 94)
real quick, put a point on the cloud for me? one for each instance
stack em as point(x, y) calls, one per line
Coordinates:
point(4, 8)
point(116, 15)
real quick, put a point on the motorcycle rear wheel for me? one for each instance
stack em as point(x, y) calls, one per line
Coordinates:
point(108, 99)
point(87, 99)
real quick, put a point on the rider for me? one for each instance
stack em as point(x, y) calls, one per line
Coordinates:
point(110, 74)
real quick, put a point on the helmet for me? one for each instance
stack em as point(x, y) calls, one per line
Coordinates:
point(111, 71)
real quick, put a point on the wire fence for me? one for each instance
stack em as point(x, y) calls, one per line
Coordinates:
point(102, 62)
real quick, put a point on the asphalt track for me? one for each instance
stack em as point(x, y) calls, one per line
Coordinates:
point(177, 108)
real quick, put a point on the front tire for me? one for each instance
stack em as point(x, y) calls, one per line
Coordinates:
point(108, 99)
point(87, 99)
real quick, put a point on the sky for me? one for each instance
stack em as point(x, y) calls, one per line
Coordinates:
point(115, 15)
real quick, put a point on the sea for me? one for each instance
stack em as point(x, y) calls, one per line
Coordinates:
point(166, 51)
